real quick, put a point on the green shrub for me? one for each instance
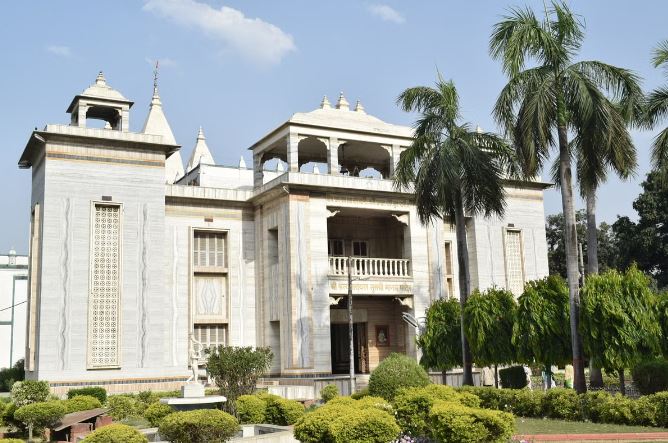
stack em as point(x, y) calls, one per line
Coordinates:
point(9, 376)
point(592, 402)
point(147, 397)
point(329, 392)
point(344, 420)
point(94, 391)
point(11, 440)
point(453, 422)
point(29, 391)
point(394, 372)
point(283, 412)
point(651, 376)
point(202, 426)
point(644, 411)
point(660, 402)
point(513, 377)
point(115, 433)
point(618, 410)
point(8, 417)
point(123, 406)
point(251, 409)
point(360, 394)
point(40, 415)
point(156, 412)
point(563, 404)
point(81, 403)
point(527, 403)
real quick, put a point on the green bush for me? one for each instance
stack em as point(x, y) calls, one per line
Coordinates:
point(394, 372)
point(40, 415)
point(453, 422)
point(251, 409)
point(660, 402)
point(618, 410)
point(81, 403)
point(527, 403)
point(344, 420)
point(115, 433)
point(360, 394)
point(29, 391)
point(123, 406)
point(8, 417)
point(11, 440)
point(651, 376)
point(156, 412)
point(644, 411)
point(9, 376)
point(202, 426)
point(329, 392)
point(283, 412)
point(94, 391)
point(513, 377)
point(561, 403)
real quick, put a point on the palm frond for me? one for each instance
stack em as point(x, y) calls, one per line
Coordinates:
point(657, 105)
point(660, 54)
point(660, 150)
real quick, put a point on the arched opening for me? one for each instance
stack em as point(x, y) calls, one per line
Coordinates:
point(312, 156)
point(103, 117)
point(364, 159)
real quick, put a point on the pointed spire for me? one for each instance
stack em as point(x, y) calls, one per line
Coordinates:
point(359, 107)
point(201, 153)
point(242, 163)
point(325, 104)
point(342, 103)
point(100, 80)
point(478, 129)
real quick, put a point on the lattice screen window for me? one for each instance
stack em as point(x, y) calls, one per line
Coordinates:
point(104, 298)
point(209, 249)
point(514, 262)
point(211, 335)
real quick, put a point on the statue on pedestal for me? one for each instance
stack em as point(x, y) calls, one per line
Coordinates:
point(196, 348)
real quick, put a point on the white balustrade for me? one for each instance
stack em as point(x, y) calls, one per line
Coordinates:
point(370, 267)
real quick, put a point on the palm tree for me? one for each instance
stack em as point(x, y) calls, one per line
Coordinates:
point(542, 105)
point(454, 171)
point(657, 109)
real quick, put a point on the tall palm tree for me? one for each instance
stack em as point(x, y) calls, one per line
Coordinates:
point(542, 105)
point(454, 171)
point(657, 110)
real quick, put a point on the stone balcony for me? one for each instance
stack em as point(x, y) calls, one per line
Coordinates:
point(371, 276)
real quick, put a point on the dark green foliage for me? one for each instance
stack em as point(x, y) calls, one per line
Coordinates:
point(441, 341)
point(123, 406)
point(591, 404)
point(394, 372)
point(542, 332)
point(202, 426)
point(513, 377)
point(115, 433)
point(651, 376)
point(235, 370)
point(94, 391)
point(8, 376)
point(522, 402)
point(489, 317)
point(251, 409)
point(563, 404)
point(452, 422)
point(329, 392)
point(41, 415)
point(662, 319)
point(618, 410)
point(281, 411)
point(81, 403)
point(360, 394)
point(155, 412)
point(618, 320)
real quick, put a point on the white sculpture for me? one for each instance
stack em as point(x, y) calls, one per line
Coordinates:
point(195, 356)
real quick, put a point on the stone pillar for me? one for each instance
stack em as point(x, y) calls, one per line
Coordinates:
point(257, 170)
point(293, 152)
point(395, 152)
point(333, 167)
point(81, 118)
point(125, 120)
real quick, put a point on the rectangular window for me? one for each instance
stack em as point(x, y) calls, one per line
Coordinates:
point(514, 261)
point(360, 248)
point(105, 285)
point(211, 335)
point(335, 247)
point(449, 277)
point(209, 249)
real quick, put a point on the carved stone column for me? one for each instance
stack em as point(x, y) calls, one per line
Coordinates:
point(258, 175)
point(333, 167)
point(293, 152)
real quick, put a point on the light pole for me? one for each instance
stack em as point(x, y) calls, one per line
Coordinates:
point(351, 341)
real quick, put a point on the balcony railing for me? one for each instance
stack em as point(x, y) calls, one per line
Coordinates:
point(370, 267)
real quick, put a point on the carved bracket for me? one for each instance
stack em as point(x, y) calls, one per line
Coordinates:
point(331, 214)
point(401, 218)
point(406, 302)
point(333, 301)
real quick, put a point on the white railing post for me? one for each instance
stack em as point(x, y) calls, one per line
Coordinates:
point(370, 266)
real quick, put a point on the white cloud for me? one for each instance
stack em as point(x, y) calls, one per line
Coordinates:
point(386, 13)
point(253, 38)
point(61, 51)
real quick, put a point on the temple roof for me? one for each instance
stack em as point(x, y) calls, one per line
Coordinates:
point(201, 153)
point(100, 90)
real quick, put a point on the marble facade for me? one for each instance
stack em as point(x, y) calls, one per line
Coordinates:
point(234, 255)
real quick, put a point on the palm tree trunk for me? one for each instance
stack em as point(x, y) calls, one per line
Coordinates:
point(571, 243)
point(464, 287)
point(595, 374)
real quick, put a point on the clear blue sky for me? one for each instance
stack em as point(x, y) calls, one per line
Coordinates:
point(239, 68)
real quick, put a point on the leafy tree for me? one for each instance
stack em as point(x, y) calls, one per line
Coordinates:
point(452, 170)
point(657, 110)
point(541, 332)
point(542, 105)
point(441, 340)
point(40, 415)
point(29, 391)
point(618, 319)
point(235, 370)
point(489, 317)
point(8, 376)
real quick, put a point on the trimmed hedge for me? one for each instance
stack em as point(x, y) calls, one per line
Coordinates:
point(513, 377)
point(11, 440)
point(283, 412)
point(651, 376)
point(251, 409)
point(202, 426)
point(81, 403)
point(394, 372)
point(563, 404)
point(329, 392)
point(94, 391)
point(454, 422)
point(123, 406)
point(155, 412)
point(115, 433)
point(37, 416)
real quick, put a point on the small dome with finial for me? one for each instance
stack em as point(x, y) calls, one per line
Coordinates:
point(324, 104)
point(359, 107)
point(342, 103)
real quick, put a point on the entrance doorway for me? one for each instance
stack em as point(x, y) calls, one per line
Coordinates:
point(341, 348)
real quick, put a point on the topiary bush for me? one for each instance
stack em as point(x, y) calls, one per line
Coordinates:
point(115, 433)
point(81, 403)
point(527, 403)
point(360, 394)
point(562, 404)
point(155, 412)
point(123, 406)
point(37, 416)
point(453, 422)
point(94, 391)
point(617, 410)
point(394, 372)
point(282, 412)
point(251, 409)
point(591, 404)
point(329, 392)
point(29, 391)
point(513, 377)
point(202, 426)
point(651, 376)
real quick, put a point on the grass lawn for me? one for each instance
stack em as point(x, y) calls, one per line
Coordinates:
point(527, 426)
